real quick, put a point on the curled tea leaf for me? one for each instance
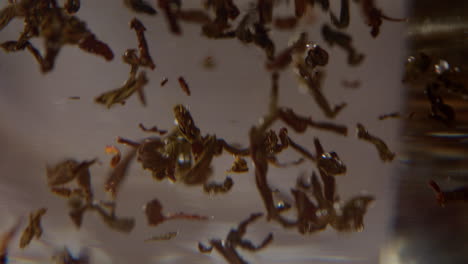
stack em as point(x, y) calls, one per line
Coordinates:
point(183, 85)
point(164, 81)
point(374, 16)
point(459, 194)
point(314, 83)
point(234, 239)
point(154, 129)
point(145, 59)
point(119, 173)
point(384, 152)
point(390, 115)
point(343, 40)
point(72, 6)
point(239, 166)
point(140, 6)
point(170, 13)
point(343, 21)
point(120, 95)
point(5, 240)
point(117, 156)
point(34, 228)
point(215, 188)
point(154, 215)
point(166, 236)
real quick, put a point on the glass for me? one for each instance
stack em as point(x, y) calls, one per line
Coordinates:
point(425, 232)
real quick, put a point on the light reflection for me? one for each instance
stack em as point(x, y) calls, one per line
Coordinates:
point(447, 134)
point(280, 255)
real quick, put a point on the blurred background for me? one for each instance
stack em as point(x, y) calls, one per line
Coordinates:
point(424, 232)
point(40, 126)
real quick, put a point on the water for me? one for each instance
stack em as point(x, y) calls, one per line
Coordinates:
point(41, 126)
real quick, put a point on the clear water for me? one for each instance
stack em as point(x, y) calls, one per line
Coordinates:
point(40, 126)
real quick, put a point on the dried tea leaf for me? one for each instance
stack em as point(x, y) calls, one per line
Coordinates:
point(145, 59)
point(154, 129)
point(390, 115)
point(329, 162)
point(117, 156)
point(329, 186)
point(153, 212)
point(300, 7)
point(316, 56)
point(72, 6)
point(6, 15)
point(62, 172)
point(153, 156)
point(201, 170)
point(140, 6)
point(317, 192)
point(374, 16)
point(169, 9)
point(183, 84)
point(265, 11)
point(124, 225)
point(258, 150)
point(417, 66)
point(328, 211)
point(285, 23)
point(118, 174)
point(194, 16)
point(166, 236)
point(324, 4)
point(439, 110)
point(234, 239)
point(215, 188)
point(250, 29)
point(343, 40)
point(120, 95)
point(331, 127)
point(231, 149)
point(5, 241)
point(155, 216)
point(307, 220)
point(343, 21)
point(185, 216)
point(459, 194)
point(352, 214)
point(128, 142)
point(284, 58)
point(296, 122)
point(34, 228)
point(185, 123)
point(76, 215)
point(239, 166)
point(204, 249)
point(61, 191)
point(209, 63)
point(314, 83)
point(70, 31)
point(263, 40)
point(300, 123)
point(384, 152)
point(84, 178)
point(164, 81)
